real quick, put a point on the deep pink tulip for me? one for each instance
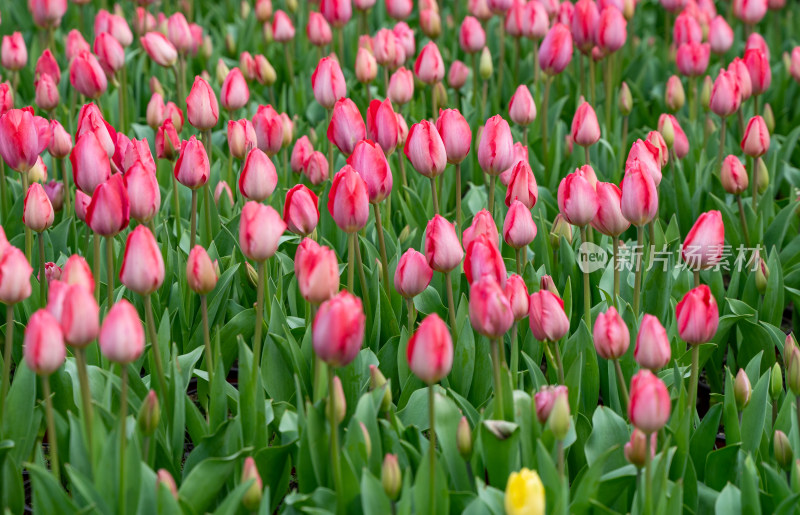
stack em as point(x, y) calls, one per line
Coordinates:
point(159, 48)
point(268, 127)
point(518, 227)
point(348, 201)
point(109, 53)
point(750, 11)
point(20, 143)
point(80, 316)
point(547, 318)
point(60, 141)
point(201, 105)
point(584, 24)
point(109, 211)
point(143, 191)
point(725, 95)
point(122, 335)
point(82, 201)
point(692, 58)
point(241, 137)
point(482, 260)
point(316, 168)
point(733, 175)
point(143, 266)
point(577, 199)
point(757, 63)
point(535, 21)
point(738, 70)
point(258, 177)
point(441, 245)
point(382, 125)
point(522, 185)
point(609, 219)
point(300, 211)
point(652, 344)
point(517, 294)
point(6, 98)
point(703, 246)
point(234, 93)
point(489, 309)
point(338, 329)
point(75, 44)
point(114, 24)
point(47, 96)
point(168, 144)
point(260, 229)
point(697, 316)
point(317, 271)
point(686, 29)
point(639, 199)
point(612, 30)
point(369, 161)
point(43, 346)
point(471, 36)
point(645, 154)
point(650, 405)
point(192, 167)
point(37, 211)
point(76, 271)
point(300, 152)
point(412, 275)
point(346, 127)
point(430, 350)
point(47, 13)
point(555, 52)
point(13, 52)
point(425, 149)
point(611, 335)
point(545, 399)
point(496, 146)
point(327, 82)
point(282, 27)
point(337, 12)
point(455, 134)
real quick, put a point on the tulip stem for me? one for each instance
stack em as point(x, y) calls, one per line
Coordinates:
point(330, 145)
point(475, 85)
point(692, 99)
point(337, 473)
point(176, 208)
point(96, 265)
point(458, 201)
point(484, 93)
point(193, 233)
point(615, 247)
point(693, 378)
point(110, 270)
point(648, 458)
point(432, 447)
point(289, 67)
point(451, 307)
point(123, 429)
point(696, 274)
point(86, 396)
point(491, 192)
point(410, 308)
point(207, 189)
point(586, 156)
point(624, 132)
point(351, 265)
point(723, 125)
point(498, 384)
point(3, 190)
point(754, 184)
point(28, 233)
point(403, 177)
point(743, 220)
point(637, 286)
point(207, 340)
point(591, 81)
point(7, 357)
point(501, 62)
point(623, 387)
point(259, 319)
point(587, 294)
point(229, 174)
point(362, 279)
point(51, 429)
point(545, 104)
point(382, 244)
point(514, 354)
point(559, 363)
point(153, 336)
point(42, 276)
point(435, 196)
point(609, 79)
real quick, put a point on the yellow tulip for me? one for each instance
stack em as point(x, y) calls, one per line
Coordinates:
point(524, 493)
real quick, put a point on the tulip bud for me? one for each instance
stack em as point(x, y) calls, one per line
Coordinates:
point(792, 360)
point(430, 350)
point(705, 92)
point(149, 414)
point(122, 335)
point(230, 43)
point(164, 480)
point(336, 400)
point(486, 68)
point(391, 476)
point(762, 276)
point(559, 419)
point(561, 228)
point(546, 283)
point(464, 439)
point(37, 213)
point(762, 176)
point(668, 131)
point(367, 439)
point(650, 404)
point(625, 99)
point(742, 389)
point(252, 498)
point(377, 380)
point(440, 94)
point(55, 192)
point(769, 118)
point(143, 265)
point(782, 448)
point(675, 97)
point(636, 448)
point(733, 175)
point(775, 382)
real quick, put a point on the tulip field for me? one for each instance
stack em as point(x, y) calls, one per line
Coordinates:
point(400, 256)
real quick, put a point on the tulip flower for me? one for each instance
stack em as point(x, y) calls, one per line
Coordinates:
point(300, 211)
point(426, 151)
point(76, 271)
point(201, 106)
point(327, 81)
point(401, 86)
point(650, 404)
point(549, 323)
point(652, 344)
point(522, 109)
point(316, 168)
point(720, 35)
point(317, 271)
point(13, 52)
point(524, 493)
point(545, 399)
point(234, 93)
point(318, 30)
point(192, 169)
point(522, 185)
point(482, 223)
point(143, 192)
point(517, 294)
point(519, 231)
point(697, 315)
point(750, 11)
point(346, 127)
point(160, 49)
point(702, 248)
point(143, 266)
point(382, 125)
point(19, 126)
point(302, 149)
point(258, 178)
point(241, 138)
point(268, 127)
point(611, 340)
point(337, 12)
point(168, 144)
point(411, 277)
point(483, 259)
point(733, 175)
point(471, 36)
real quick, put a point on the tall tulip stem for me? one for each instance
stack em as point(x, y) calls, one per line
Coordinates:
point(51, 428)
point(207, 339)
point(28, 233)
point(42, 276)
point(545, 105)
point(153, 336)
point(176, 208)
point(362, 278)
point(609, 79)
point(693, 378)
point(723, 125)
point(623, 388)
point(592, 81)
point(491, 192)
point(330, 145)
point(110, 270)
point(432, 448)
point(498, 383)
point(648, 489)
point(382, 245)
point(410, 308)
point(9, 345)
point(207, 189)
point(3, 193)
point(754, 184)
point(259, 318)
point(180, 98)
point(334, 443)
point(435, 196)
point(514, 354)
point(123, 429)
point(86, 397)
point(743, 220)
point(351, 265)
point(451, 307)
point(193, 223)
point(458, 201)
point(587, 293)
point(615, 247)
point(637, 286)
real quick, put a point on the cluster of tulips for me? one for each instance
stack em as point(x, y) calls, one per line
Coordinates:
point(256, 353)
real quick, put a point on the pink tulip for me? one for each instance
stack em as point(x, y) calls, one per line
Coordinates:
point(382, 125)
point(401, 86)
point(585, 129)
point(201, 275)
point(584, 24)
point(457, 75)
point(564, 13)
point(545, 399)
point(90, 164)
point(455, 134)
point(686, 29)
point(109, 210)
point(720, 35)
point(412, 275)
point(44, 344)
point(611, 335)
point(122, 335)
point(483, 259)
point(201, 105)
point(143, 266)
point(143, 191)
point(521, 107)
point(489, 310)
point(611, 30)
point(318, 30)
point(441, 245)
point(115, 25)
point(547, 318)
point(496, 146)
point(80, 316)
point(15, 276)
point(794, 67)
point(535, 21)
point(703, 246)
point(47, 13)
point(399, 9)
point(258, 177)
point(482, 223)
point(750, 11)
point(738, 69)
point(757, 63)
point(327, 81)
point(366, 66)
point(317, 271)
point(652, 344)
point(346, 127)
point(302, 149)
point(338, 329)
point(60, 141)
point(131, 151)
point(405, 36)
point(20, 143)
point(55, 192)
point(369, 161)
point(75, 44)
point(268, 127)
point(430, 350)
point(6, 98)
point(159, 48)
point(337, 12)
point(518, 227)
point(517, 294)
point(109, 52)
point(697, 316)
point(425, 149)
point(692, 58)
point(471, 36)
point(47, 96)
point(316, 168)
point(348, 202)
point(555, 52)
point(192, 167)
point(282, 27)
point(223, 188)
point(725, 95)
point(37, 211)
point(234, 93)
point(609, 219)
point(13, 52)
point(300, 211)
point(639, 198)
point(386, 46)
point(241, 137)
point(650, 405)
point(82, 201)
point(429, 66)
point(522, 185)
point(260, 229)
point(577, 199)
point(168, 144)
point(733, 176)
point(171, 112)
point(76, 271)
point(648, 156)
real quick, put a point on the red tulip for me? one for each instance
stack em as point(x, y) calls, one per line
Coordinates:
point(20, 143)
point(338, 329)
point(401, 86)
point(122, 335)
point(234, 93)
point(652, 344)
point(425, 149)
point(518, 228)
point(482, 223)
point(80, 316)
point(382, 125)
point(611, 30)
point(369, 161)
point(430, 350)
point(639, 199)
point(496, 147)
point(611, 335)
point(201, 105)
point(725, 95)
point(300, 211)
point(302, 149)
point(577, 199)
point(412, 275)
point(44, 344)
point(429, 66)
point(697, 316)
point(160, 50)
point(609, 219)
point(521, 107)
point(13, 52)
point(346, 127)
point(546, 316)
point(317, 271)
point(168, 144)
point(337, 12)
point(348, 202)
point(702, 248)
point(585, 129)
point(720, 35)
point(15, 276)
point(327, 81)
point(109, 211)
point(318, 30)
point(471, 36)
point(37, 212)
point(201, 275)
point(258, 177)
point(483, 259)
point(650, 405)
point(260, 229)
point(733, 175)
point(489, 310)
point(441, 245)
point(316, 168)
point(555, 52)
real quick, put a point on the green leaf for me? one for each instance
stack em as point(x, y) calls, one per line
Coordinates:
point(200, 488)
point(729, 501)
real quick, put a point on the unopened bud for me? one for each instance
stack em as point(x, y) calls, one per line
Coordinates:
point(625, 99)
point(559, 418)
point(367, 439)
point(155, 87)
point(742, 389)
point(762, 276)
point(636, 448)
point(391, 477)
point(207, 47)
point(266, 30)
point(486, 68)
point(793, 370)
point(546, 283)
point(769, 118)
point(464, 439)
point(561, 228)
point(776, 382)
point(291, 6)
point(252, 498)
point(783, 451)
point(222, 71)
point(705, 93)
point(149, 414)
point(252, 275)
point(668, 132)
point(404, 234)
point(266, 73)
point(244, 9)
point(787, 61)
point(440, 94)
point(164, 480)
point(674, 95)
point(709, 127)
point(230, 44)
point(336, 400)
point(762, 176)
point(378, 380)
